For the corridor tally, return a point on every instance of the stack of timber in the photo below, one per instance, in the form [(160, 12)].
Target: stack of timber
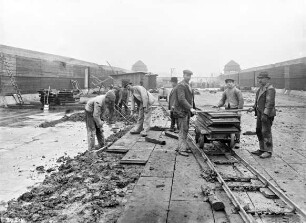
[(47, 97), (218, 122), (65, 96), (55, 97)]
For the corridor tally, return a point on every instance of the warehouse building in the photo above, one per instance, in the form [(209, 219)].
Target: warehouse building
[(289, 75), (35, 70)]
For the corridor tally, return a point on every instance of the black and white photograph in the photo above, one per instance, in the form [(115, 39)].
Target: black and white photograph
[(153, 111)]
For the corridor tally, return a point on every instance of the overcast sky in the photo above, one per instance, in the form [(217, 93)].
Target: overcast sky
[(184, 34)]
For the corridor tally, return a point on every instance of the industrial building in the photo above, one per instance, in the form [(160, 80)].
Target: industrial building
[(35, 70), (289, 75), (148, 80)]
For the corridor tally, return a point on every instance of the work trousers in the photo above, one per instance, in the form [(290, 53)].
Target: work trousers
[(264, 133), (144, 120), (173, 121), (124, 104), (183, 124), (92, 131)]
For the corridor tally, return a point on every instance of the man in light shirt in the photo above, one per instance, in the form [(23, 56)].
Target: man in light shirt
[(94, 109)]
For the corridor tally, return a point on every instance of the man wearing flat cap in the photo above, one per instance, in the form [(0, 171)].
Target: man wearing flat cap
[(171, 100), (144, 101), (184, 107), (265, 111), (232, 100), (94, 110)]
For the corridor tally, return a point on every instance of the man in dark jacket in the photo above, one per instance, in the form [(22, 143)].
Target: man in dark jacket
[(265, 111), (183, 108), (171, 104)]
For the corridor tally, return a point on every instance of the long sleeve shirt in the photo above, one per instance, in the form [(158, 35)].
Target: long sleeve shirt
[(97, 106), (231, 98)]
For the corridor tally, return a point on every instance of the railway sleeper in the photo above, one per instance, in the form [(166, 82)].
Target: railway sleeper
[(268, 212), (238, 179)]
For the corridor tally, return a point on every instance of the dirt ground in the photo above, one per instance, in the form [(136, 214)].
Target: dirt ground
[(94, 188)]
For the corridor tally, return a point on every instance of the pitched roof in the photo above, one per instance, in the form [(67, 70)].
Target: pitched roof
[(232, 63), (139, 66)]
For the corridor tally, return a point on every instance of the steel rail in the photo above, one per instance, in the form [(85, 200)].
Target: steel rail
[(273, 188), (269, 185), (245, 216)]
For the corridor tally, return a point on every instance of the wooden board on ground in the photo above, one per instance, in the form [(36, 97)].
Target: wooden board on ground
[(149, 201), (160, 164), (139, 154), (187, 179), (123, 144), (190, 211), (263, 204), (117, 149)]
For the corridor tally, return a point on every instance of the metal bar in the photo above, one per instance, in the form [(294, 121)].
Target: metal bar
[(245, 216), (222, 110), (274, 189)]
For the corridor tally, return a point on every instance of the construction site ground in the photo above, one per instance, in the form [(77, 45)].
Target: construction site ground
[(53, 178)]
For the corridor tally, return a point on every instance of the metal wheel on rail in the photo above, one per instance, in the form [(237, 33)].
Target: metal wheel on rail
[(231, 143)]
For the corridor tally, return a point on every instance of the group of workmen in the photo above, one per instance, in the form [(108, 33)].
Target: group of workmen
[(182, 107)]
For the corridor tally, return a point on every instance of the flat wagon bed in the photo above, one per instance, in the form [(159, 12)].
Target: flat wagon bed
[(217, 126)]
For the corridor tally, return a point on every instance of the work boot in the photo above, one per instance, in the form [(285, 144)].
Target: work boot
[(265, 155), (257, 152), (143, 133)]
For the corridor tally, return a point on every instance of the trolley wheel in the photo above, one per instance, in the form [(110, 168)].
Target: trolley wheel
[(231, 143), (201, 141), (197, 135)]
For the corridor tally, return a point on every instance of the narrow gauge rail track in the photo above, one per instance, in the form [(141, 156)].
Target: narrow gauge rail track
[(253, 196)]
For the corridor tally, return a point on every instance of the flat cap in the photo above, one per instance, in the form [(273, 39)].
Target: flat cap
[(263, 74), (127, 83), (110, 95), (174, 79), (187, 72), (229, 79)]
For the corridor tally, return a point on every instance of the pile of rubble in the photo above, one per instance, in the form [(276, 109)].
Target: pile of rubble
[(87, 188)]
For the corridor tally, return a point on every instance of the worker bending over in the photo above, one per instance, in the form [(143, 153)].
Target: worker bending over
[(144, 101), (95, 109)]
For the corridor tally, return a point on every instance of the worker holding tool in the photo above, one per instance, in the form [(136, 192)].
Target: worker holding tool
[(171, 105), (94, 109), (265, 111), (123, 101), (144, 101), (184, 108), (232, 100)]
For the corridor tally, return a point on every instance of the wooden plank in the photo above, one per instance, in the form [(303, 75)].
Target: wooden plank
[(171, 135), (117, 149), (139, 154), (246, 203), (123, 144), (187, 179), (149, 201), (190, 211), (160, 164), (263, 204), (229, 208)]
